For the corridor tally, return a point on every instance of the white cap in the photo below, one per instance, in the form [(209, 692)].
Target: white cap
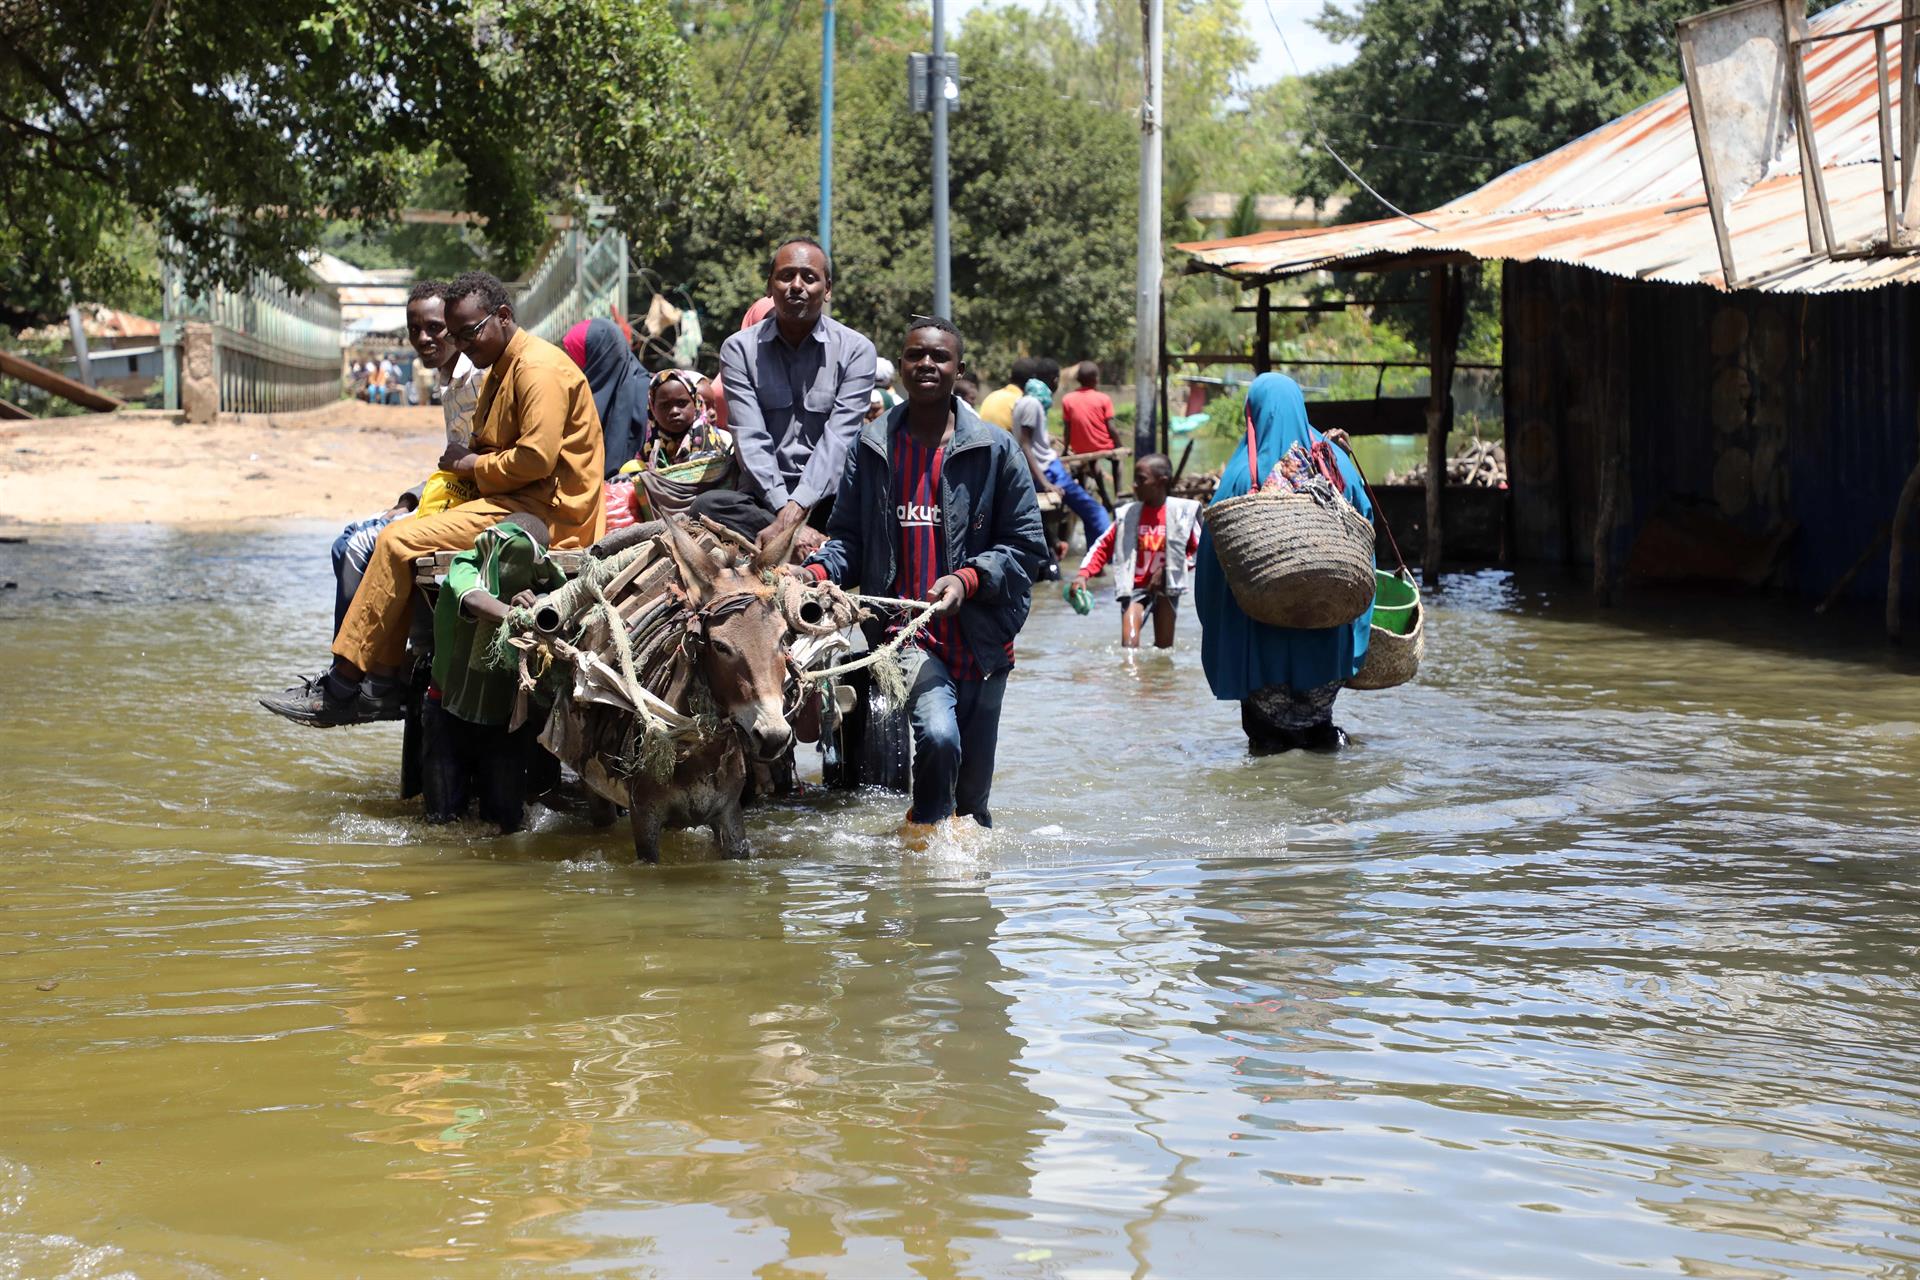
[(882, 372)]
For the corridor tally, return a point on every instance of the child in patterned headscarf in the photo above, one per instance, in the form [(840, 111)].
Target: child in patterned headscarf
[(685, 454)]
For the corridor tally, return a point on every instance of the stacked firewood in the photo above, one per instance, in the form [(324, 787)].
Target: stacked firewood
[(1199, 487), (1479, 463)]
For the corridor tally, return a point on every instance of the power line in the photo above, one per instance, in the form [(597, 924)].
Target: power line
[(746, 51), (1321, 136), (780, 42)]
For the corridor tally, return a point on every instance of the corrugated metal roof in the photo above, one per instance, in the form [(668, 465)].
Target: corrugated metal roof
[(1628, 199)]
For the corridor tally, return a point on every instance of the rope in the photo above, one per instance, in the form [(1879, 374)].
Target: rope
[(885, 660), (655, 750), (1381, 516), (567, 600)]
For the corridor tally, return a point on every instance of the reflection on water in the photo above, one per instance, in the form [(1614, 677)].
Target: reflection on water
[(1593, 955)]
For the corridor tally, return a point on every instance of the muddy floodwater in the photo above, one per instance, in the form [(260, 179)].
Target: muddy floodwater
[(1594, 955)]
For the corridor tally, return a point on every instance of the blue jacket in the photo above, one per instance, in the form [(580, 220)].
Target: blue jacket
[(990, 516)]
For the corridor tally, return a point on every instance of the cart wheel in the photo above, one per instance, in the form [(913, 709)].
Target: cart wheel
[(601, 812)]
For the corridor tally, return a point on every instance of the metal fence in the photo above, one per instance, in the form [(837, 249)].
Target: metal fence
[(583, 275), (274, 349)]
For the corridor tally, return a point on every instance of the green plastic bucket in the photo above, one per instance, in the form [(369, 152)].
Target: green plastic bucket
[(1395, 601)]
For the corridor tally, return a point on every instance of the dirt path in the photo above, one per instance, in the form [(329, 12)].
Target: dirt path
[(343, 460)]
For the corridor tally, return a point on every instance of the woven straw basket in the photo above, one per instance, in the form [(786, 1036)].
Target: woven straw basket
[(1291, 561), (1392, 658)]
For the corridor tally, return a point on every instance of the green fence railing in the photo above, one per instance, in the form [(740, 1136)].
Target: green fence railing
[(274, 349), (582, 275)]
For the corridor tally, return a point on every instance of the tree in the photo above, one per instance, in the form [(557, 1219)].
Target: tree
[(1443, 95), (236, 130), (1043, 188)]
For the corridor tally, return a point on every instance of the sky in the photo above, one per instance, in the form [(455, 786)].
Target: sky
[(1312, 50)]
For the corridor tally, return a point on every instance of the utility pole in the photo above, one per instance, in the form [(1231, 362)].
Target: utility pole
[(942, 265), (1146, 302), (826, 132)]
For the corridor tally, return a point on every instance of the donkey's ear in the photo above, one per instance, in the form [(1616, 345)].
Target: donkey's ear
[(775, 553), (695, 565)]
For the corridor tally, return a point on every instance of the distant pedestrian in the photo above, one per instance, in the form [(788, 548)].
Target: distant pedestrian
[(1088, 413), (997, 408), (1049, 473)]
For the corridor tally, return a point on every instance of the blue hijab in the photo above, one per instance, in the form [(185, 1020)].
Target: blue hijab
[(1241, 655), (619, 383)]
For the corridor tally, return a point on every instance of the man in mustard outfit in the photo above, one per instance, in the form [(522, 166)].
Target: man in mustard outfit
[(537, 448)]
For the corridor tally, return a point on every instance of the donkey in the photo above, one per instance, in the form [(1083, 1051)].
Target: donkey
[(737, 636)]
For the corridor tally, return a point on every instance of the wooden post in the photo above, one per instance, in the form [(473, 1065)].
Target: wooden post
[(1613, 443), (1897, 550), (1263, 333), (1444, 334)]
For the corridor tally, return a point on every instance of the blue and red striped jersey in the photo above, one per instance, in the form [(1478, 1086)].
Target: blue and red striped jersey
[(923, 546)]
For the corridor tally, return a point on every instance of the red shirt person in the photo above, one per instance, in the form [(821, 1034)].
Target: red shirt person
[(1088, 413)]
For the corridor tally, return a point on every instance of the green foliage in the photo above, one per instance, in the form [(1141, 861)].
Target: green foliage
[(238, 130), (1227, 415), (432, 250), (1444, 94), (1042, 193)]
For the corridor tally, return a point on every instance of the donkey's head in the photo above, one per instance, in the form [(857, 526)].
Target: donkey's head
[(742, 637)]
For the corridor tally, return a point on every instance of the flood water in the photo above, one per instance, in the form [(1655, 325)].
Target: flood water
[(1594, 955)]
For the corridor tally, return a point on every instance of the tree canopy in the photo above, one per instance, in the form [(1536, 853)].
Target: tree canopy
[(1042, 184), (237, 131), (1442, 95)]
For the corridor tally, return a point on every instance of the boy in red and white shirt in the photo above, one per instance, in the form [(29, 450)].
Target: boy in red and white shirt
[(1165, 536)]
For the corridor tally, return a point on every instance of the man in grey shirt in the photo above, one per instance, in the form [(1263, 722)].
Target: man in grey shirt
[(798, 386)]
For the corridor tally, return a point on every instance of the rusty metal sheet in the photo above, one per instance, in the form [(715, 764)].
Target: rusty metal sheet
[(1627, 199)]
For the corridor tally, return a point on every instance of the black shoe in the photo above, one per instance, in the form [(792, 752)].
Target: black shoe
[(388, 703), (1327, 737), (316, 703), (307, 686)]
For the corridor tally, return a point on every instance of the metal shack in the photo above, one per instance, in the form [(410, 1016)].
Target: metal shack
[(1660, 422)]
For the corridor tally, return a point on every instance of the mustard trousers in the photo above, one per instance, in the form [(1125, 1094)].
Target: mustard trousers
[(373, 635)]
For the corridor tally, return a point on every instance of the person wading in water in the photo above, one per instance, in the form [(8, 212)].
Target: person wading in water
[(935, 505), (1284, 678)]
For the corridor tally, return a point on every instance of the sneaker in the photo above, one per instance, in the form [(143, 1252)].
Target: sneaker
[(389, 703), (306, 686), (315, 703)]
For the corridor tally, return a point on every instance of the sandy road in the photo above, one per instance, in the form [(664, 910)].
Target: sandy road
[(336, 462)]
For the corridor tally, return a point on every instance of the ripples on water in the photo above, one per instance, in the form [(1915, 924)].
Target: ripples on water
[(1595, 954)]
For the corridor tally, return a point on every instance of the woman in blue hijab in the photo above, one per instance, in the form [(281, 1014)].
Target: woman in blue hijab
[(619, 384), (1284, 679)]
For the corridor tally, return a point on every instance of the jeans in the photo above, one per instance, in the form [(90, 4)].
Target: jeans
[(956, 726), (351, 551), (1079, 501)]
